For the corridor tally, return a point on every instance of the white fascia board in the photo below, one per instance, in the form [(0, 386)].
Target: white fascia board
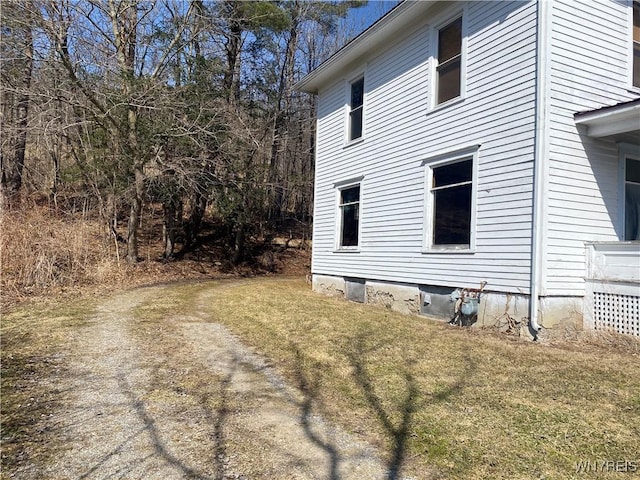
[(395, 23), (611, 121)]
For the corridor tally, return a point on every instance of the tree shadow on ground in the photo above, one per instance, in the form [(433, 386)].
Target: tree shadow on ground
[(216, 419), (396, 420), (310, 390)]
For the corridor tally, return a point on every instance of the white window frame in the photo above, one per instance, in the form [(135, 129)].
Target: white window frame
[(632, 87), (347, 134), (441, 22), (339, 187), (625, 151), (438, 160)]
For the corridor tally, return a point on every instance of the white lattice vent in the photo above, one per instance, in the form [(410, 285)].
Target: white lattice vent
[(616, 312)]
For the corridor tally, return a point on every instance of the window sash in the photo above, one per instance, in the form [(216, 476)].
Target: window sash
[(356, 108), (355, 123), (349, 208), (452, 216), (450, 40), (357, 93), (452, 204)]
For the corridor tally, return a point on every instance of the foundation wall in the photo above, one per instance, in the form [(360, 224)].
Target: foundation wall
[(502, 311)]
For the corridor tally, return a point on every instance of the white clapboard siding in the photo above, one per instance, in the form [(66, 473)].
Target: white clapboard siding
[(590, 61), (401, 131)]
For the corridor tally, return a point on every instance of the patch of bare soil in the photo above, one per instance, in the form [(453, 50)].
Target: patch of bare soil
[(174, 398)]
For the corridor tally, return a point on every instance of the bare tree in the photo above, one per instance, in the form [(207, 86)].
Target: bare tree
[(17, 68), (185, 104)]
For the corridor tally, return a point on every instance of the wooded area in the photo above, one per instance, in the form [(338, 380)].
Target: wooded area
[(110, 105)]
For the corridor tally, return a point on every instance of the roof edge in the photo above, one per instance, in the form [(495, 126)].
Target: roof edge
[(365, 42)]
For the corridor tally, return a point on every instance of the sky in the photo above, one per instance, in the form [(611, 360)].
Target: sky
[(364, 17)]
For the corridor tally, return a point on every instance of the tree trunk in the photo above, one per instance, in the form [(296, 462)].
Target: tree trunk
[(194, 224), (282, 118), (231, 80), (169, 228), (135, 214), (124, 20), (12, 162), (239, 245)]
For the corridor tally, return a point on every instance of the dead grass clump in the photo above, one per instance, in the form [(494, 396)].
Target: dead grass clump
[(610, 340), (42, 250)]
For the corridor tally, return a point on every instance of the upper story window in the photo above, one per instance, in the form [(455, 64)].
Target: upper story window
[(356, 106), (636, 43), (449, 62)]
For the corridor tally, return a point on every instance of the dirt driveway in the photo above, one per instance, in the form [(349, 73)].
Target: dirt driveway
[(172, 398)]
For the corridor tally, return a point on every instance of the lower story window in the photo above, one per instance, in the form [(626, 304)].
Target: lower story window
[(632, 199), (349, 211), (451, 191), (450, 201)]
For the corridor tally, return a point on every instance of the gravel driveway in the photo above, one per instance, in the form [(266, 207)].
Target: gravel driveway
[(183, 398)]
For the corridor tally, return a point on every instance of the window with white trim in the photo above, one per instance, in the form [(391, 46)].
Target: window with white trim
[(356, 108), (349, 216), (448, 81), (450, 200), (632, 199)]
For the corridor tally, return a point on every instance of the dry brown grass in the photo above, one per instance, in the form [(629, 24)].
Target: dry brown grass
[(47, 254), (44, 252), (440, 401), (446, 402)]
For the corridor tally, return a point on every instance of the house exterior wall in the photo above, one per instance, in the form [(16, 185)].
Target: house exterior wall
[(590, 66), (402, 131)]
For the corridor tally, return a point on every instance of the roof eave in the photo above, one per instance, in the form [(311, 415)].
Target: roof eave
[(604, 122), (394, 22)]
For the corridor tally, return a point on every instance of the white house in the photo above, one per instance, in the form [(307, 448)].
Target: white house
[(468, 142)]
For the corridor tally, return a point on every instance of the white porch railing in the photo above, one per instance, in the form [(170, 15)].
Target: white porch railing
[(612, 297)]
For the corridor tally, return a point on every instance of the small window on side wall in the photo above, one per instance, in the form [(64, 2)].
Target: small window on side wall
[(356, 106), (349, 216), (449, 62)]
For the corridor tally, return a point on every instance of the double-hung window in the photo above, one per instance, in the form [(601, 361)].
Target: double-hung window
[(450, 202), (356, 107), (449, 62), (349, 216)]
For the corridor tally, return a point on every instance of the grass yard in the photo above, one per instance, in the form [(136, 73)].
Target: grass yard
[(31, 361), (438, 401), (442, 401)]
